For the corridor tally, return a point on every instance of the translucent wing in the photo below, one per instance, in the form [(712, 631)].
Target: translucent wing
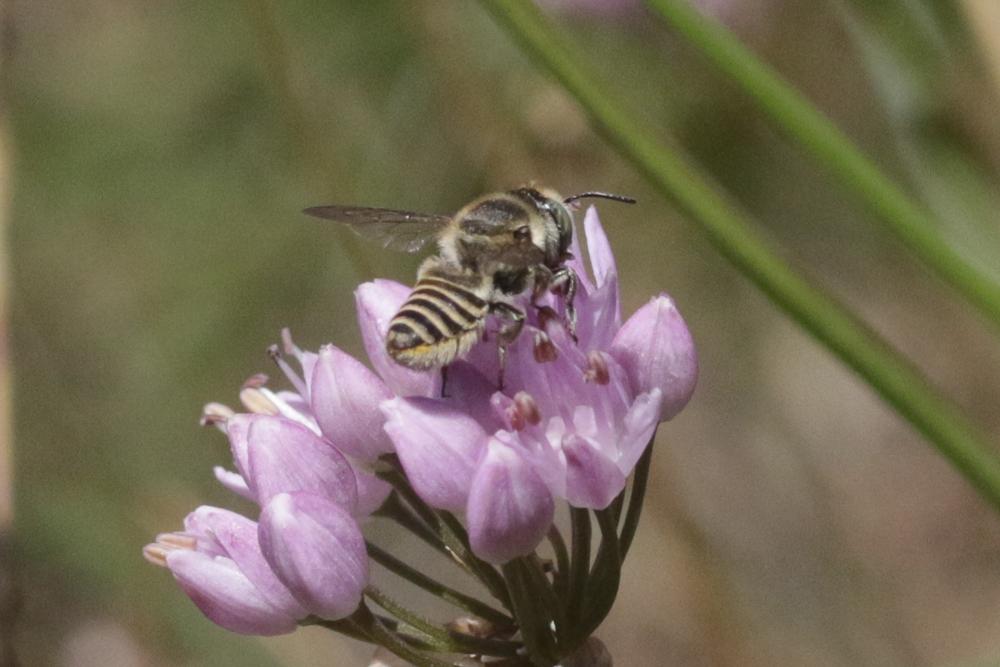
[(395, 230)]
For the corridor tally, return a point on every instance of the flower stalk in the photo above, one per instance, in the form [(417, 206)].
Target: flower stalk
[(476, 475)]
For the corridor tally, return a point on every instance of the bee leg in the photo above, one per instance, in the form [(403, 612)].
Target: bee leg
[(444, 381), (508, 333), (565, 280)]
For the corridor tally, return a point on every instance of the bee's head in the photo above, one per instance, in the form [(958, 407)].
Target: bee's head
[(557, 221)]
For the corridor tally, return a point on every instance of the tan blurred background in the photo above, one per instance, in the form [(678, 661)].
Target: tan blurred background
[(158, 155)]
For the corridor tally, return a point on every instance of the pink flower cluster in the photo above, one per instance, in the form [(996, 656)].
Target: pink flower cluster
[(571, 423)]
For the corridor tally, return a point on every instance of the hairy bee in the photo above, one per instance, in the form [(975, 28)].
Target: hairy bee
[(495, 248)]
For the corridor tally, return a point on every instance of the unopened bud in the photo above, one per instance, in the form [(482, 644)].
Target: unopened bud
[(544, 349), (527, 408), (597, 368)]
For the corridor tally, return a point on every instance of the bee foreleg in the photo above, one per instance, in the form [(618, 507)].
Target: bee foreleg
[(444, 380), (509, 331), (565, 279)]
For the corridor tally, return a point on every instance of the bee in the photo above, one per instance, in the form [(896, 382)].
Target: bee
[(495, 249)]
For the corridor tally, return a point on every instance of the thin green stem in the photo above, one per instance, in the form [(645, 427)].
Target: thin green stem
[(395, 510), (602, 589), (560, 579), (531, 616), (639, 479), (365, 622), (674, 176), (453, 536), (460, 600), (794, 114), (579, 565), (438, 636)]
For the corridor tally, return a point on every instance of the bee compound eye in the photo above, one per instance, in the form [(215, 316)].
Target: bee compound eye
[(522, 234)]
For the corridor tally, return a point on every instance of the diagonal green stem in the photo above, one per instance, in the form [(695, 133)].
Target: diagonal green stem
[(560, 579), (367, 624), (886, 370), (438, 636), (639, 479), (460, 600), (793, 113)]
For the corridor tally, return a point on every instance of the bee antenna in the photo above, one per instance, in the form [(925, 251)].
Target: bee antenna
[(601, 195)]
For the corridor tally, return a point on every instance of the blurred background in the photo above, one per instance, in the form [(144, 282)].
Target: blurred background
[(154, 158)]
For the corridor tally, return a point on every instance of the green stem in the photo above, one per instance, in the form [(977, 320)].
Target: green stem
[(531, 616), (394, 509), (887, 371), (561, 576), (365, 622), (442, 639), (637, 495), (602, 589), (452, 534), (460, 600), (793, 113), (579, 565)]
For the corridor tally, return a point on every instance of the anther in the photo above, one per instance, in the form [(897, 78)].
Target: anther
[(215, 414), (527, 408), (274, 352), (545, 315), (544, 349), (597, 368), (255, 381), (255, 401), (155, 554), (473, 627)]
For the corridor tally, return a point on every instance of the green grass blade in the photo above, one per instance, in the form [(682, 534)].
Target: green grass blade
[(794, 114)]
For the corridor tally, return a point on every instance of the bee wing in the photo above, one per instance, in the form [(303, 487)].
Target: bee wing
[(396, 230)]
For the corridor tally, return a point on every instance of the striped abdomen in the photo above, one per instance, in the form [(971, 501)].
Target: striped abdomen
[(437, 323)]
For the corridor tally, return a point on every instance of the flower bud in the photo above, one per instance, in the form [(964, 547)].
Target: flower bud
[(226, 596), (345, 396), (439, 447), (510, 507), (285, 456), (656, 350), (316, 549)]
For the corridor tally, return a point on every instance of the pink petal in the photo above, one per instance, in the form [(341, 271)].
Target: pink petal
[(234, 482), (372, 492), (640, 426), (439, 447), (226, 596), (602, 260), (237, 537), (510, 507), (345, 400), (657, 351), (286, 456), (317, 550), (377, 303), (592, 479)]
